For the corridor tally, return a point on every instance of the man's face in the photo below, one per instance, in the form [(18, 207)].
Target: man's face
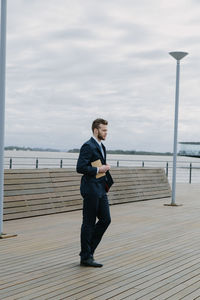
[(102, 132)]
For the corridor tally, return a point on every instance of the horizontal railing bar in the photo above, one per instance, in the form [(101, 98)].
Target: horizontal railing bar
[(110, 159), (31, 157)]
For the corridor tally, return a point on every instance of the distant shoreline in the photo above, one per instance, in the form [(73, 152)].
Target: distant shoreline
[(16, 148), (118, 151), (129, 152)]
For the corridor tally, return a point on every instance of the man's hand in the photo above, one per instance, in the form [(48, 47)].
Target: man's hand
[(104, 168)]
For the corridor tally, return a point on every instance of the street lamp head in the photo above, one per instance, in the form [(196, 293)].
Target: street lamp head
[(178, 55)]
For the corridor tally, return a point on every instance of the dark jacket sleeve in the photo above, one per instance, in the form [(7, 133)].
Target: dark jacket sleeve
[(84, 162)]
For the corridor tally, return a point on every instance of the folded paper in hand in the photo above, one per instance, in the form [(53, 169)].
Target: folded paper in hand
[(97, 163)]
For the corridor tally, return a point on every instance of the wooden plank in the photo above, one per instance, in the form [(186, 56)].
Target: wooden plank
[(10, 181), (68, 199), (28, 192), (26, 176), (29, 197), (30, 186), (34, 213)]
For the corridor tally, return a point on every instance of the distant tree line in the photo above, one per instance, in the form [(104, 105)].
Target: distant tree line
[(127, 152), (17, 148), (76, 150)]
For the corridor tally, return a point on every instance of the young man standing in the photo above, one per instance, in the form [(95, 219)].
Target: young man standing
[(95, 182)]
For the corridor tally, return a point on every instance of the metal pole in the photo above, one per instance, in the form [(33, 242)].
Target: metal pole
[(175, 133), (178, 55), (2, 105), (190, 178), (167, 167), (10, 163)]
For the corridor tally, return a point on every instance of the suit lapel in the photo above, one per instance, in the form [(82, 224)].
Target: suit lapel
[(98, 148), (96, 145), (104, 150)]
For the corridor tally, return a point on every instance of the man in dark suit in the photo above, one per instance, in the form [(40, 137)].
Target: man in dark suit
[(95, 182)]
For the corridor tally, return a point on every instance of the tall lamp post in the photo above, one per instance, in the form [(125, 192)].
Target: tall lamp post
[(2, 105), (178, 56)]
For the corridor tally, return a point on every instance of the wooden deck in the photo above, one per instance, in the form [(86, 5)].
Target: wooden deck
[(150, 251)]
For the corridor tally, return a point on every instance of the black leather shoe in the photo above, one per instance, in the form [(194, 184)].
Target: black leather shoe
[(90, 263)]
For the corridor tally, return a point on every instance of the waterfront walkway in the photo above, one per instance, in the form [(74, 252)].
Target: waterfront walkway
[(150, 251)]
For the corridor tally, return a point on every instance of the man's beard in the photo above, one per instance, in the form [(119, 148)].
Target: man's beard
[(100, 137)]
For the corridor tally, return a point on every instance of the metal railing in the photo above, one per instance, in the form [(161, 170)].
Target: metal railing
[(186, 171), (38, 162)]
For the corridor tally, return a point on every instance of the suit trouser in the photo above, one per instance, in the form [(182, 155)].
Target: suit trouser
[(92, 232)]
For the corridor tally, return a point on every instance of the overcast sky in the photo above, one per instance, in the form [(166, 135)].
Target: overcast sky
[(69, 62)]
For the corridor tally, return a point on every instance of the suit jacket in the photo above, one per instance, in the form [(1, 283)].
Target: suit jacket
[(90, 185)]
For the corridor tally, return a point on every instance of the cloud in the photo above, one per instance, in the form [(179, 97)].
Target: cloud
[(69, 62)]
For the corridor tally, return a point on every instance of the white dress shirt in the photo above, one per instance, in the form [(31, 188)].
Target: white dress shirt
[(100, 145)]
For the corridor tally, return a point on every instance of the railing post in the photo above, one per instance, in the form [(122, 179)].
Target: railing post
[(167, 167), (61, 163), (36, 163), (190, 178), (118, 163), (10, 163)]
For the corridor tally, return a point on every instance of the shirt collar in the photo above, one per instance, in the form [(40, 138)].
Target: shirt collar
[(97, 141)]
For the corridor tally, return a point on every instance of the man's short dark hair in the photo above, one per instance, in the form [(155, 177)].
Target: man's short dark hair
[(96, 123)]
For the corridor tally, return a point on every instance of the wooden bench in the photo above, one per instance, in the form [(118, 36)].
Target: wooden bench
[(29, 193)]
